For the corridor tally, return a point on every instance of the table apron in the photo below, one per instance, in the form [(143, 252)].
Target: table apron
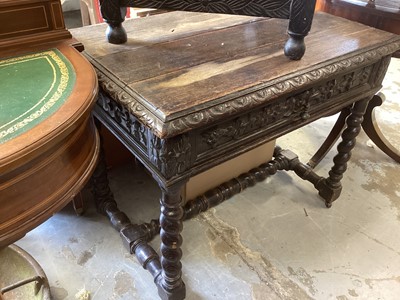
[(185, 155)]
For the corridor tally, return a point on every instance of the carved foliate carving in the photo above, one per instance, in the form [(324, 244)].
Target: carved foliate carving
[(263, 95), (173, 157), (362, 76), (124, 118), (170, 156), (254, 99), (126, 100), (296, 107)]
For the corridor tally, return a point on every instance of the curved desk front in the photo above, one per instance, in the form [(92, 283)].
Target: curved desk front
[(48, 142)]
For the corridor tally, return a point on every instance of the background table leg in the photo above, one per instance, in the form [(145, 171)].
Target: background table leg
[(371, 128), (333, 136), (79, 204)]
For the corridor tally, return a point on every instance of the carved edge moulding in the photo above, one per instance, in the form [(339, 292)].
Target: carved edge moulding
[(191, 153), (230, 105)]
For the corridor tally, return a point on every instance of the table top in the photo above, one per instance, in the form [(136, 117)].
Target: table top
[(36, 85), (180, 71)]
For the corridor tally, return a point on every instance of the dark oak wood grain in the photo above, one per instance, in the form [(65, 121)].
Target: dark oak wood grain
[(299, 12), (171, 73)]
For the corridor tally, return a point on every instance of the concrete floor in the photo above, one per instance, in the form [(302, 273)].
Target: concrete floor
[(273, 241)]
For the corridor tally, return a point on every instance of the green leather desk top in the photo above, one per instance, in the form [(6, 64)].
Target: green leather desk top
[(32, 87)]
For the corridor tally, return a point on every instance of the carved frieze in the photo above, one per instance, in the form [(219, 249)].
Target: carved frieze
[(170, 156), (296, 107), (263, 95), (231, 107), (127, 101), (173, 156), (127, 122)]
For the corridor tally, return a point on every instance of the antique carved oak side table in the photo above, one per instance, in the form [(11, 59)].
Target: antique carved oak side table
[(189, 91)]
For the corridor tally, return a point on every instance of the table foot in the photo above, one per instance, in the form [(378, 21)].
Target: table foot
[(371, 128), (331, 187), (329, 192), (167, 270), (178, 293)]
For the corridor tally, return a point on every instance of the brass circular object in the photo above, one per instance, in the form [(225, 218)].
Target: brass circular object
[(20, 269)]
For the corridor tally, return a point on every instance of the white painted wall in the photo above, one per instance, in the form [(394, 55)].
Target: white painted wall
[(70, 5)]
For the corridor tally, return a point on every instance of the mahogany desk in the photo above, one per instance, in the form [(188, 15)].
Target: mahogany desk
[(189, 91), (48, 143)]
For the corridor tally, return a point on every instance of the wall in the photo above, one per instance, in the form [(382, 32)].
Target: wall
[(68, 5)]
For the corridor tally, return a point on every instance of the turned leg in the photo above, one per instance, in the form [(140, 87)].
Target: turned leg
[(301, 15), (371, 128), (101, 191), (134, 236), (330, 188), (171, 285)]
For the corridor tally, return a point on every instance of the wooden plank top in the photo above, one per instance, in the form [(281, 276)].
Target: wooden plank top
[(179, 71)]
